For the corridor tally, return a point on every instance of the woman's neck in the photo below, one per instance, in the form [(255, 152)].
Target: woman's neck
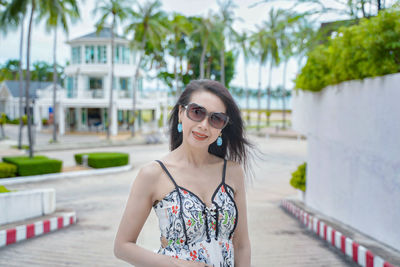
[(193, 156)]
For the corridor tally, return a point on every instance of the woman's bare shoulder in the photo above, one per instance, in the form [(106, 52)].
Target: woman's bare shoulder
[(149, 173)]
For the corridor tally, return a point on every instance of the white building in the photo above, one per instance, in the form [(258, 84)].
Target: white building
[(83, 104)]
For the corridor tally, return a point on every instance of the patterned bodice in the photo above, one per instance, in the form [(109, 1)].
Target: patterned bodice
[(192, 231)]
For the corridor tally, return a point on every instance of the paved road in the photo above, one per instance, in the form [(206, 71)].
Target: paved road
[(277, 238)]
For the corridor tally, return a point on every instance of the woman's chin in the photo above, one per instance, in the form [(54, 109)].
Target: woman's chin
[(198, 143)]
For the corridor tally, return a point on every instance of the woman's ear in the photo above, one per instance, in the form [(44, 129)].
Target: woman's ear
[(180, 113)]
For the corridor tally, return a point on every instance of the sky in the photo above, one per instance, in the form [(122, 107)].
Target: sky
[(42, 41)]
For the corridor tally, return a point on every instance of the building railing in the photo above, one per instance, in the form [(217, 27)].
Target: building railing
[(93, 93)]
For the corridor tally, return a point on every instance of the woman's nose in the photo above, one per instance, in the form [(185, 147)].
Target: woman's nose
[(204, 123)]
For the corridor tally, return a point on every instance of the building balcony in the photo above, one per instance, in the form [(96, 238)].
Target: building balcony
[(93, 93)]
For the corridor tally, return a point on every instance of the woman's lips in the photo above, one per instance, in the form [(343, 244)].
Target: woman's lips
[(199, 136)]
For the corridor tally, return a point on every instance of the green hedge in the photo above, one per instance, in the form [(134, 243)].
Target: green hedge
[(7, 170), (78, 158), (369, 49), (104, 159), (299, 177), (35, 166)]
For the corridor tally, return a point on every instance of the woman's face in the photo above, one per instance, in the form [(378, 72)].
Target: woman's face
[(201, 134)]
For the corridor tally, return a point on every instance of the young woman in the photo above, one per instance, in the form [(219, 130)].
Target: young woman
[(197, 190)]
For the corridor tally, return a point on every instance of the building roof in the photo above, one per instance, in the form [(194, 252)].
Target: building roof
[(13, 87), (105, 33)]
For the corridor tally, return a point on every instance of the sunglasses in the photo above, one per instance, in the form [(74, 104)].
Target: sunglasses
[(198, 113)]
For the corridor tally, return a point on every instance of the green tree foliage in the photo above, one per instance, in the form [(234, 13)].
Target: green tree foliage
[(42, 71), (369, 49)]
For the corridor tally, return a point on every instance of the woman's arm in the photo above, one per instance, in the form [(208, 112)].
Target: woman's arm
[(137, 210), (241, 241)]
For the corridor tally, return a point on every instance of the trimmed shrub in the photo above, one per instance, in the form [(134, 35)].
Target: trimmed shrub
[(78, 158), (299, 177), (35, 166), (7, 170), (104, 159)]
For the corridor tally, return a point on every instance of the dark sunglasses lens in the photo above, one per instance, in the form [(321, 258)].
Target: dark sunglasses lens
[(218, 120), (196, 113)]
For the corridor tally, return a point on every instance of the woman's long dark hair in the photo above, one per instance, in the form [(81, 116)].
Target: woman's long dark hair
[(235, 145)]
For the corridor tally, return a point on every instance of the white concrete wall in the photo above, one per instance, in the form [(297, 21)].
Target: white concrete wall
[(353, 171), (22, 205)]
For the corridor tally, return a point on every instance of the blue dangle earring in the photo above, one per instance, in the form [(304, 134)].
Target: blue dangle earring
[(219, 140), (179, 126)]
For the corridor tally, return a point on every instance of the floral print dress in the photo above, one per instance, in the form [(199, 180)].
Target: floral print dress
[(192, 231)]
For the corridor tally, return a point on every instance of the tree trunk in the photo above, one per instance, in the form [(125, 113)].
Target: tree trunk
[(209, 63), (259, 98), (222, 63), (269, 93), (21, 79), (135, 82), (110, 104), (28, 78), (202, 58), (177, 91), (54, 85), (284, 95), (180, 73), (3, 134), (363, 8), (247, 92), (379, 5)]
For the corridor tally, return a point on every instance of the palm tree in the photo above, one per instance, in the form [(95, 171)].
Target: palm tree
[(11, 17), (274, 26), (149, 26), (14, 9), (305, 39), (257, 41), (57, 12), (286, 42), (204, 28), (226, 19), (28, 79), (180, 26), (242, 41), (117, 9)]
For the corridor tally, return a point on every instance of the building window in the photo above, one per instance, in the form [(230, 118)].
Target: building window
[(121, 54), (76, 55), (70, 86), (95, 83), (101, 54), (125, 55), (117, 54), (123, 84), (89, 54)]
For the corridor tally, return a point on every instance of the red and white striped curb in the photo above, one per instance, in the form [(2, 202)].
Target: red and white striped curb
[(358, 253), (27, 231)]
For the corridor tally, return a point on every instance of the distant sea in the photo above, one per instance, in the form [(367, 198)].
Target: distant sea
[(275, 103), (241, 101)]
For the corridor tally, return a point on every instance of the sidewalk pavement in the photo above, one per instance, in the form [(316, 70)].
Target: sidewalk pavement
[(277, 132)]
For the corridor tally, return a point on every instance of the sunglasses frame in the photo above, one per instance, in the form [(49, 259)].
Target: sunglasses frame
[(208, 115)]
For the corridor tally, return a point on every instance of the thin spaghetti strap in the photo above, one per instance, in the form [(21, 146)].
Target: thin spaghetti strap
[(167, 172), (223, 172), (180, 200)]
